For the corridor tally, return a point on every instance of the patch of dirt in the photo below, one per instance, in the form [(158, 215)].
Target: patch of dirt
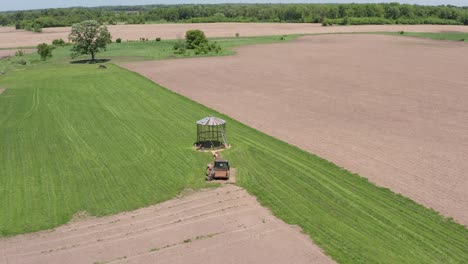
[(2, 90), (393, 109), (9, 37), (224, 225), (81, 216)]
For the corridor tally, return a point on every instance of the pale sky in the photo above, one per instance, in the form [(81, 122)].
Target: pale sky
[(6, 5)]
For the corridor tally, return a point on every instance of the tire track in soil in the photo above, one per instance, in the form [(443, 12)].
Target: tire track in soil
[(224, 224)]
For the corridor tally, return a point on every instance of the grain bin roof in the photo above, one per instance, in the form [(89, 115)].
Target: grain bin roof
[(210, 121)]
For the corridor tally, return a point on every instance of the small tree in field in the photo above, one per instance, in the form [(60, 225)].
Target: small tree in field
[(195, 38), (88, 38), (45, 51)]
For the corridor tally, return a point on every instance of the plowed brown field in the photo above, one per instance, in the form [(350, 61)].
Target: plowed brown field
[(224, 225), (393, 109), (9, 37)]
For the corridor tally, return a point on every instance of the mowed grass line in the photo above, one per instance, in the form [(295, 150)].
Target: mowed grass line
[(453, 36), (77, 138)]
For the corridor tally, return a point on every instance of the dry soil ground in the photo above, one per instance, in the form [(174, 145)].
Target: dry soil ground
[(393, 109), (9, 37), (224, 225)]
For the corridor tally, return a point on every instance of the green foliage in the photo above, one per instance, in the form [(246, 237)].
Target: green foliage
[(428, 20), (30, 26), (299, 13), (19, 53), (136, 20), (45, 51), (358, 21), (119, 40), (89, 37), (179, 47), (37, 28), (58, 42), (22, 62), (101, 152), (158, 39), (195, 39)]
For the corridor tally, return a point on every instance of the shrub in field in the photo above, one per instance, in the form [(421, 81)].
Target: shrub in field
[(158, 39), (201, 49), (216, 48), (45, 51), (195, 38), (205, 48), (179, 47), (89, 37), (237, 35), (22, 62), (119, 40), (58, 42), (402, 32), (19, 53)]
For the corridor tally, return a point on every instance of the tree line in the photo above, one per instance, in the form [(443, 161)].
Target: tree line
[(327, 14)]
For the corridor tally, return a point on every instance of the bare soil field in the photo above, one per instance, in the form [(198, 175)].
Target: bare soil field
[(224, 225), (392, 109), (9, 37), (2, 90)]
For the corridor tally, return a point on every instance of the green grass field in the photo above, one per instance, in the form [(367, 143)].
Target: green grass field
[(76, 138), (138, 50)]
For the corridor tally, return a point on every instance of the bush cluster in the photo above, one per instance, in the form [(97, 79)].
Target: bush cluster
[(31, 26), (179, 47), (19, 53), (58, 42), (45, 51), (196, 40)]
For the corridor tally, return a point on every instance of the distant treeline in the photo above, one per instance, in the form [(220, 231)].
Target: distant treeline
[(327, 14)]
